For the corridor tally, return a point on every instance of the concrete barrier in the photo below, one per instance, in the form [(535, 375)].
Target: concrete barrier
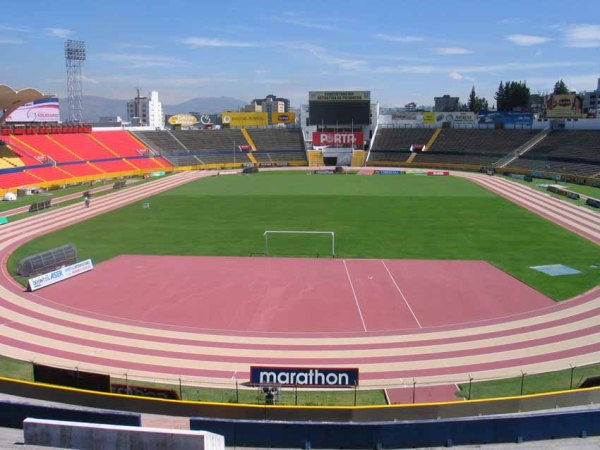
[(54, 433)]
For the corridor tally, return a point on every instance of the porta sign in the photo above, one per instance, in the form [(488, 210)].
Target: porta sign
[(341, 139)]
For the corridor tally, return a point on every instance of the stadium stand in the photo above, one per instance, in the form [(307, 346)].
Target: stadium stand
[(393, 144), (80, 169), (114, 165), (48, 146), (266, 139), (51, 173), (17, 179), (574, 152), (211, 140), (83, 145), (121, 143)]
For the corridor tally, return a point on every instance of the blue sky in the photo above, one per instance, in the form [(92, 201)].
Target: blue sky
[(399, 50)]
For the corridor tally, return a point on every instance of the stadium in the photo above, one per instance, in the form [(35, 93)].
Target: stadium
[(347, 277)]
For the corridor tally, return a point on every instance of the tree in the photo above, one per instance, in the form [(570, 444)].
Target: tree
[(560, 88), (512, 95), (476, 103)]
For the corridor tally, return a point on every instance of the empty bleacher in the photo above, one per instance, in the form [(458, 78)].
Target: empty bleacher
[(393, 144), (51, 173), (80, 169), (115, 165), (564, 151), (83, 146), (120, 142), (211, 140), (266, 139), (46, 145), (17, 179)]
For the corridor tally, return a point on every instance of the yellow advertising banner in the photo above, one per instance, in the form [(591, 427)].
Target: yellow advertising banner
[(429, 118), (284, 117), (245, 119), (185, 120), (564, 106)]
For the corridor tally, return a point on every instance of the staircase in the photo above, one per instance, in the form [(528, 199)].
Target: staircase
[(521, 150)]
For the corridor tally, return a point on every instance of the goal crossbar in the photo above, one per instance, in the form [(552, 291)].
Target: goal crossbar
[(268, 232)]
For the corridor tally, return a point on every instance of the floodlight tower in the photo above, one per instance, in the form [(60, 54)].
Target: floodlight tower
[(74, 57)]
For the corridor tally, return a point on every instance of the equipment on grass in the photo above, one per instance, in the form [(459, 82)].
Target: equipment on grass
[(269, 232)]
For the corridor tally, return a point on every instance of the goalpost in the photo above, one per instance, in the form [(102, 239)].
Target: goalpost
[(269, 232)]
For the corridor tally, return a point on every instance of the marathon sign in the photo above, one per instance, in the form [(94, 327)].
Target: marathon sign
[(300, 376), (60, 274), (340, 139)]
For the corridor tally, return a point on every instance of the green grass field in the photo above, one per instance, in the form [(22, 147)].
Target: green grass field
[(406, 217)]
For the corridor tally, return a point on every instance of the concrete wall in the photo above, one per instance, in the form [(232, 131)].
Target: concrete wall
[(54, 433)]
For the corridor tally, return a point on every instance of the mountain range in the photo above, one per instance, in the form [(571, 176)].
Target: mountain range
[(95, 107)]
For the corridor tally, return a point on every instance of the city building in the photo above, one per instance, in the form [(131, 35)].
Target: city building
[(145, 111), (269, 104), (591, 100), (446, 104)]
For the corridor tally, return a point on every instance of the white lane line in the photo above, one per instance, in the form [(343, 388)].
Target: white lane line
[(401, 293), (355, 297)]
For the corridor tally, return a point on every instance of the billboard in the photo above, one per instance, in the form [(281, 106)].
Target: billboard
[(300, 376), (339, 96), (185, 120), (43, 110), (245, 119), (284, 117), (564, 106), (505, 117), (459, 118), (340, 139)]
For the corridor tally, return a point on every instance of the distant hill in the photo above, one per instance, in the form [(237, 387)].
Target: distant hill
[(95, 107)]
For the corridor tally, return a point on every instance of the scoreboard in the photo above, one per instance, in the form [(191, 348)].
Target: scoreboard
[(339, 107)]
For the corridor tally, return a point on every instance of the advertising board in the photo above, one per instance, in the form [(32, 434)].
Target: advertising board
[(245, 119), (564, 106), (302, 376), (43, 110), (505, 117), (458, 118), (284, 117), (185, 120), (341, 139), (60, 274)]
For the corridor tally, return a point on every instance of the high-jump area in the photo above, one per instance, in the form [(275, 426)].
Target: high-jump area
[(294, 296)]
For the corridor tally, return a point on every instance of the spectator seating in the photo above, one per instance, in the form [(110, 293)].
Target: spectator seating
[(80, 169), (211, 140), (266, 139), (83, 146), (51, 173), (491, 141), (393, 144), (114, 165), (47, 145), (161, 142), (120, 142), (17, 179), (146, 163), (564, 151)]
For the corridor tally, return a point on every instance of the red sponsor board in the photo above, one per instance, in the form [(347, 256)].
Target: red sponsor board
[(340, 139), (438, 173)]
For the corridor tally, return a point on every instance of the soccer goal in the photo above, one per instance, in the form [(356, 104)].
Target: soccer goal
[(307, 235)]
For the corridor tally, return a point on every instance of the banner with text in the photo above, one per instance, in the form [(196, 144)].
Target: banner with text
[(339, 96), (245, 119), (340, 139), (300, 376), (43, 110), (59, 275), (284, 117), (505, 118)]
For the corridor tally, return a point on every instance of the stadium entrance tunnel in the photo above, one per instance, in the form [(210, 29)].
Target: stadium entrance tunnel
[(330, 160)]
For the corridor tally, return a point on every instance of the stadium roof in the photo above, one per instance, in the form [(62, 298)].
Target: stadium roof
[(11, 99)]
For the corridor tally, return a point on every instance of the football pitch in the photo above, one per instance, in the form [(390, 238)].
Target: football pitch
[(406, 217)]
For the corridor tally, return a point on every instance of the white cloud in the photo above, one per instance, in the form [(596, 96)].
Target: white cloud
[(137, 46), (59, 32), (448, 51), (455, 75), (14, 29), (293, 19), (89, 80), (324, 56), (11, 41), (526, 39), (583, 36), (216, 42), (137, 61), (492, 68), (393, 38)]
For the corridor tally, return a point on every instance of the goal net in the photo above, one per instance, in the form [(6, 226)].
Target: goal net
[(299, 243)]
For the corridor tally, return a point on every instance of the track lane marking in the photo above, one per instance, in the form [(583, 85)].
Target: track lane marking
[(362, 319), (401, 293)]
